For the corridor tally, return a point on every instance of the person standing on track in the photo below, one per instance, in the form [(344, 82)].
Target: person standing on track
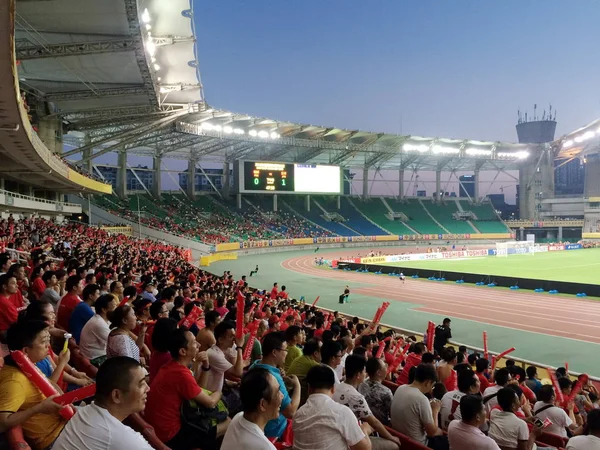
[(402, 277)]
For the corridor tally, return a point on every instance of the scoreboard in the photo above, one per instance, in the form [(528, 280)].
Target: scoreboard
[(279, 177), (267, 176)]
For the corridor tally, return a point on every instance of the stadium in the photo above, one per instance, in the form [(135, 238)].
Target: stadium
[(86, 96)]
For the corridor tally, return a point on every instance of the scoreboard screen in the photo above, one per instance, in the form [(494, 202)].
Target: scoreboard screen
[(278, 177), (268, 176)]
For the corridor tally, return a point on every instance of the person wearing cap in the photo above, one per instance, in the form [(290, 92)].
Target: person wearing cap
[(148, 293)]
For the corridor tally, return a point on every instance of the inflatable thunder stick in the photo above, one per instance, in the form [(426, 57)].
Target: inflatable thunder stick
[(191, 318), (39, 380)]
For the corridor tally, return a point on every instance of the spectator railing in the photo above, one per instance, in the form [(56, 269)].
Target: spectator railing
[(523, 362)]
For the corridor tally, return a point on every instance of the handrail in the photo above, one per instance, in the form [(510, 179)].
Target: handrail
[(36, 199), (405, 331)]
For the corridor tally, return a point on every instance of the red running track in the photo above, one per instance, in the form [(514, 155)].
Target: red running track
[(541, 313)]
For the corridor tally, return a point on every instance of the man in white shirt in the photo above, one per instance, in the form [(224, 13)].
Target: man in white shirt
[(331, 355), (591, 441), (221, 359), (121, 390), (261, 400), (464, 434), (412, 413), (501, 377), (468, 383), (94, 333), (347, 394), (323, 424), (545, 409), (506, 428)]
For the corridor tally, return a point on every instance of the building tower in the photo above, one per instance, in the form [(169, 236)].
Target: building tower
[(536, 175)]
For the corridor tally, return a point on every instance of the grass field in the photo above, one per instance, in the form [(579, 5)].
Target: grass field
[(579, 266)]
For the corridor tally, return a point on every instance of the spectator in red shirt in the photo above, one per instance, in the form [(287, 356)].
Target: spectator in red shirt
[(68, 303), (283, 295), (274, 292), (175, 384), (11, 302), (413, 359), (18, 271), (481, 366), (37, 285)]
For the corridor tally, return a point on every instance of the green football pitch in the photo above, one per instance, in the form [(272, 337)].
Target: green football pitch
[(579, 266)]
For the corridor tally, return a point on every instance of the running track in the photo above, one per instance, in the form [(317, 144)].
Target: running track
[(540, 313)]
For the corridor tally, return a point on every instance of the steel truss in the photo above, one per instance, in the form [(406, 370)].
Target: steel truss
[(25, 50)]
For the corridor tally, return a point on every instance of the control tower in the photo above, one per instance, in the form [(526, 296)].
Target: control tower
[(536, 176)]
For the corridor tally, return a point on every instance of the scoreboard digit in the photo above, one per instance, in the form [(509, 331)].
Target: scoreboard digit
[(267, 176)]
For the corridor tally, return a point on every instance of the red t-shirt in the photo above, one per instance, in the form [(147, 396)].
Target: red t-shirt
[(484, 382), (67, 305), (451, 381), (319, 333), (411, 360), (38, 287), (9, 309), (274, 292), (172, 385)]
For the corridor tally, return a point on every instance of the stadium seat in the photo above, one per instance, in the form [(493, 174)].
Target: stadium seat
[(16, 441), (407, 443), (553, 440), (136, 422), (80, 362)]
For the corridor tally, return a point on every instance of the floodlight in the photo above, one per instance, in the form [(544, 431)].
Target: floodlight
[(415, 148), (156, 67), (253, 133), (438, 149), (263, 134), (217, 128), (151, 47), (274, 135), (567, 144), (148, 27), (238, 131), (228, 129), (207, 126), (146, 16), (477, 152)]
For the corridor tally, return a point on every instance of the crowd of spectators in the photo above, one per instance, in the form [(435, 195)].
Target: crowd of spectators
[(213, 225), (165, 345)]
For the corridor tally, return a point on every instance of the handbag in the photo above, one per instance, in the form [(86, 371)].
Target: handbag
[(201, 418)]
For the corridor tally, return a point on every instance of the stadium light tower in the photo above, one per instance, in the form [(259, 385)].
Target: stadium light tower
[(536, 175)]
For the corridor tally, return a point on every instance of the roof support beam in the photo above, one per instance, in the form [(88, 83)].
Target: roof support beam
[(26, 51), (87, 93)]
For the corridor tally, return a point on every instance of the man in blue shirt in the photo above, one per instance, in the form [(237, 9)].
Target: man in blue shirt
[(83, 311), (148, 293), (274, 347)]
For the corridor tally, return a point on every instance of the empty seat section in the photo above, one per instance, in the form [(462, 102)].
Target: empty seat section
[(316, 215), (355, 220), (487, 220), (419, 219), (443, 213), (375, 209)]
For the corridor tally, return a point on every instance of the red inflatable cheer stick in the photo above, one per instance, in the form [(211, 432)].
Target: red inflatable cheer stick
[(39, 380), (191, 318)]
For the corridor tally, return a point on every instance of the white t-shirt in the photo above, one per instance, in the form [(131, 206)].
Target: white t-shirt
[(94, 428), (507, 429), (242, 433), (219, 364), (94, 336), (410, 413), (451, 407), (462, 436), (347, 395), (584, 443), (339, 370), (559, 418), (492, 401), (324, 424)]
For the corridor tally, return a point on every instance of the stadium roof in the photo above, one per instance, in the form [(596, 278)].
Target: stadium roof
[(111, 60), (124, 75)]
